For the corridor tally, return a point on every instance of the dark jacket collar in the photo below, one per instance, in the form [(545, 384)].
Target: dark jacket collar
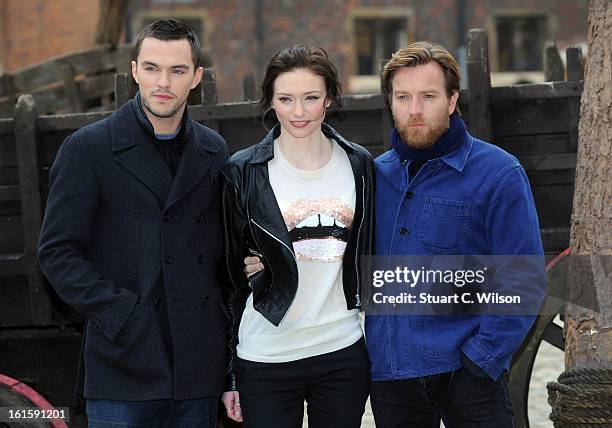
[(264, 151), (131, 122)]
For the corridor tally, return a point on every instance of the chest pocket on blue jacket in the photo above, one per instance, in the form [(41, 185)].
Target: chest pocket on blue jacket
[(443, 225)]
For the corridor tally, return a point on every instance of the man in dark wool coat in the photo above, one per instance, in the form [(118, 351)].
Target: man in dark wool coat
[(131, 238)]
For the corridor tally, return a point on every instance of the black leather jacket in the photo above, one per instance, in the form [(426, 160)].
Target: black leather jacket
[(253, 222)]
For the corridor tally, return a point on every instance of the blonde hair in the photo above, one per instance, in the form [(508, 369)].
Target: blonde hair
[(421, 53)]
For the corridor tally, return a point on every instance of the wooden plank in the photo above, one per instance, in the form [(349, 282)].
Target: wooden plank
[(553, 65), (209, 87), (551, 177), (502, 94), (36, 76), (14, 264), (248, 88), (69, 121), (122, 89), (71, 91), (6, 125), (96, 86), (9, 176), (555, 240), (12, 234), (479, 85), (27, 161), (524, 145), (531, 117), (554, 205), (9, 193), (51, 100), (575, 68), (549, 161)]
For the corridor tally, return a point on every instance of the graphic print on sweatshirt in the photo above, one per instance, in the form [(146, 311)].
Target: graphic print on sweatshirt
[(319, 228)]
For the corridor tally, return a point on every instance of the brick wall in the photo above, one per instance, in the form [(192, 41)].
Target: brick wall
[(35, 30)]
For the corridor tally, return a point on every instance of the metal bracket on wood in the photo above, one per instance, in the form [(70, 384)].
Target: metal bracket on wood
[(479, 85), (31, 209)]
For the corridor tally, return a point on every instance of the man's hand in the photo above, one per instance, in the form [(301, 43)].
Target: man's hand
[(231, 401), (252, 265)]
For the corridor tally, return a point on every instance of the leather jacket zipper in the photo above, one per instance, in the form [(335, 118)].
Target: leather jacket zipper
[(275, 238), (357, 294)]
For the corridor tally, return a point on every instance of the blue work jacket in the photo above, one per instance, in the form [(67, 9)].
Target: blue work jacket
[(475, 200)]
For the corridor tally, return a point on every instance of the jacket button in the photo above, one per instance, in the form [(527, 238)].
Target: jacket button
[(201, 259), (168, 259), (200, 218), (403, 231), (158, 302), (205, 299), (166, 218), (409, 195)]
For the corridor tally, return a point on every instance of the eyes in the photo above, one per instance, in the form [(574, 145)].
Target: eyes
[(424, 97), (153, 69), (310, 99)]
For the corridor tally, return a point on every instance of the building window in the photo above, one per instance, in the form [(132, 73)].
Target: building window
[(375, 40), (520, 42)]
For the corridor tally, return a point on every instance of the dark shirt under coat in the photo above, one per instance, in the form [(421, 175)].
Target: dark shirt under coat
[(136, 253)]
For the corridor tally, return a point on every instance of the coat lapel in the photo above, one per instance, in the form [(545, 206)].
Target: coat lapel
[(136, 154), (195, 164)]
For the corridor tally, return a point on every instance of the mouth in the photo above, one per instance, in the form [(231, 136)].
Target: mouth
[(163, 97), (299, 123)]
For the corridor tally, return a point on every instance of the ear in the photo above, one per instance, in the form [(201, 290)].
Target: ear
[(197, 77), (327, 102), (134, 71), (453, 102)]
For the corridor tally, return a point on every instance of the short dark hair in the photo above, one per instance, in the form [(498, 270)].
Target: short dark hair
[(170, 29), (421, 53), (300, 56)]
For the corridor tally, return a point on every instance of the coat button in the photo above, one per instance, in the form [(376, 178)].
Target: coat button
[(201, 259), (158, 302), (166, 218), (200, 218), (403, 231), (169, 259), (205, 299), (409, 195)]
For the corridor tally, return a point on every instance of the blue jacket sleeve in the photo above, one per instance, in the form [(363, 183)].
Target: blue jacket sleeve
[(512, 222)]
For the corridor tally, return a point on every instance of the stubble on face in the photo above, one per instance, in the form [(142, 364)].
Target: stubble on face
[(422, 137), (163, 114)]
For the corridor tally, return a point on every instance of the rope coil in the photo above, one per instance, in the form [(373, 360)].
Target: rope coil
[(581, 398)]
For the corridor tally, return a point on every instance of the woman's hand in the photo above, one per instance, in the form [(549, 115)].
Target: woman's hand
[(231, 401), (252, 265)]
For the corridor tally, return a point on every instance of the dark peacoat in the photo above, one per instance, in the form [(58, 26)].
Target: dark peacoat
[(136, 253)]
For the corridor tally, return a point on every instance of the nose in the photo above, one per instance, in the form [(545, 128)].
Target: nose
[(298, 110), (164, 80), (415, 108)]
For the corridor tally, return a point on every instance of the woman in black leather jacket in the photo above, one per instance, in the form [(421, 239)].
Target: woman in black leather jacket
[(302, 201)]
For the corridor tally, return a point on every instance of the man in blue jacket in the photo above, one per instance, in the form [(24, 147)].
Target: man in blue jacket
[(440, 191), (131, 238)]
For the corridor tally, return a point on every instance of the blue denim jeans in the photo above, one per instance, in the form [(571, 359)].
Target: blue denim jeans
[(156, 413), (461, 398)]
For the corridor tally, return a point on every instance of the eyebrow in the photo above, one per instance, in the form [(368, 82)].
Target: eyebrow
[(305, 93), (424, 91), (181, 66)]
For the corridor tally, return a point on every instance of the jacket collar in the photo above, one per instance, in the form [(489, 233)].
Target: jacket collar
[(134, 151), (455, 159), (264, 151), (131, 121)]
